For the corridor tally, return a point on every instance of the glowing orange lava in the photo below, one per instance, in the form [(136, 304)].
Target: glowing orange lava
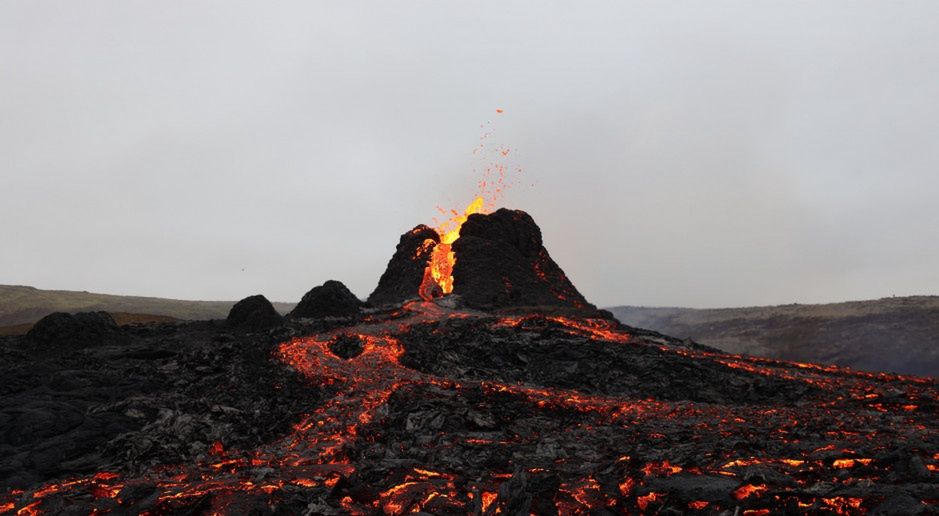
[(748, 490), (438, 276)]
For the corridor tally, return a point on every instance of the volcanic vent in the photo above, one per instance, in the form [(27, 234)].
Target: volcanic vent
[(491, 261)]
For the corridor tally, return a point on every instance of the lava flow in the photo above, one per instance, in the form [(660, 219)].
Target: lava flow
[(421, 416)]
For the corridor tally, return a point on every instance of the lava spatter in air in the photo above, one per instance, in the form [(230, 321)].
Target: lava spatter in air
[(438, 275)]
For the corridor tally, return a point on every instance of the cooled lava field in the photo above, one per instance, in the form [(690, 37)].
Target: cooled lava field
[(476, 380)]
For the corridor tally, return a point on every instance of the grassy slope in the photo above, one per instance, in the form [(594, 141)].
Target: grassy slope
[(19, 305), (893, 334)]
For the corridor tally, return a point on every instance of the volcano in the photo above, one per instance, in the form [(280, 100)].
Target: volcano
[(478, 381), (490, 262)]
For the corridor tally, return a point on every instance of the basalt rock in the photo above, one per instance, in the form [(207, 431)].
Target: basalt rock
[(254, 313), (501, 262), (331, 299), (163, 394), (403, 276), (74, 330), (347, 346)]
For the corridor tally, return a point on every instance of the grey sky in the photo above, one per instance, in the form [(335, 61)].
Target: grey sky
[(674, 153)]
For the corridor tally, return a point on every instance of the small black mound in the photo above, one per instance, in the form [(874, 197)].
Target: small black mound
[(402, 278), (347, 346), (74, 330), (331, 299), (254, 313)]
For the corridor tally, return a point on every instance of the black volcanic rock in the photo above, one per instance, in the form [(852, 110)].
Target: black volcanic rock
[(163, 393), (403, 276), (501, 262), (74, 330), (331, 299), (347, 346), (254, 313)]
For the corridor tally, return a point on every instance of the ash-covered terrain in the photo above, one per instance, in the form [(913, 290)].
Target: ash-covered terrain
[(496, 389)]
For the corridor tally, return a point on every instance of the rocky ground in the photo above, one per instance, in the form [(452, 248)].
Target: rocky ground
[(143, 396), (430, 408)]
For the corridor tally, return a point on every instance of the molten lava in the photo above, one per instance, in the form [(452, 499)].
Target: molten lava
[(438, 276)]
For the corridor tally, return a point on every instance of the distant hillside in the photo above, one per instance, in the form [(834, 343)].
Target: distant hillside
[(894, 334), (22, 305)]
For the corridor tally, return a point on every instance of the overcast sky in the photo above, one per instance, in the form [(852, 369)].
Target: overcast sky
[(674, 153)]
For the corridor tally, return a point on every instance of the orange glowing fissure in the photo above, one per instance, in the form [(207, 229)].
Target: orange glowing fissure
[(438, 276)]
